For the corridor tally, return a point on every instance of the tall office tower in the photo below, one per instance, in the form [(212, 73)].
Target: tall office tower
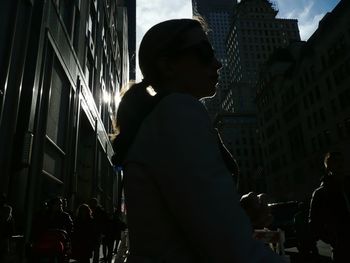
[(218, 15), (131, 15), (122, 30), (131, 7), (254, 35)]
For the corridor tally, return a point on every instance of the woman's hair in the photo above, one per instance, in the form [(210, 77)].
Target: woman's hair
[(162, 40)]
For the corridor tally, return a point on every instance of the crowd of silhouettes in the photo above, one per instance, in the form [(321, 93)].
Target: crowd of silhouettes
[(64, 235)]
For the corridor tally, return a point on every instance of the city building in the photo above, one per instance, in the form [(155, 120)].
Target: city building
[(238, 131), (130, 6), (303, 107), (218, 16), (254, 34), (62, 65)]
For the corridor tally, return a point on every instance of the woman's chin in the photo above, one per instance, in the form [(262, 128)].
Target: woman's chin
[(209, 94)]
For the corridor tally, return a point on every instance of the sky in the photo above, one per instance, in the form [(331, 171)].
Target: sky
[(308, 13)]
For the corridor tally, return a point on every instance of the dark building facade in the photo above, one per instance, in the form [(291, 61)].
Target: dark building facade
[(304, 111), (238, 131), (131, 14), (255, 33), (61, 72)]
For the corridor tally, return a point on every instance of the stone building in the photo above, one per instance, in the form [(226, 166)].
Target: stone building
[(303, 107)]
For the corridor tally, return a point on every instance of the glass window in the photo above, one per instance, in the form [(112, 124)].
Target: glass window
[(58, 106)]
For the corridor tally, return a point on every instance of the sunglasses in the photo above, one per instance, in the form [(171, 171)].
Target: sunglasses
[(202, 51)]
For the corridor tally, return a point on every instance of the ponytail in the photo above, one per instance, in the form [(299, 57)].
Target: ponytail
[(135, 105)]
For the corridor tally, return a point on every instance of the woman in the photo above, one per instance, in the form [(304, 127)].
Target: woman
[(180, 197)]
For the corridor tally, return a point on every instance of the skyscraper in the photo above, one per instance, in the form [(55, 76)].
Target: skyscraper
[(131, 7), (131, 18), (254, 35), (218, 15)]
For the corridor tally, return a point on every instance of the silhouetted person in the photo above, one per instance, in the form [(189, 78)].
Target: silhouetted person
[(56, 218), (118, 226), (84, 235), (52, 229), (306, 243), (330, 207), (66, 209), (182, 203), (114, 227), (100, 223)]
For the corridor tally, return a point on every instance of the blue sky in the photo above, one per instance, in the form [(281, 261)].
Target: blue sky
[(308, 13)]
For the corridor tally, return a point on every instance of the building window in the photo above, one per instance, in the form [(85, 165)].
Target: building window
[(66, 11), (57, 123)]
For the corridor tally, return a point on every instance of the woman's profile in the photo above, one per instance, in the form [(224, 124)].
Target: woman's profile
[(180, 195)]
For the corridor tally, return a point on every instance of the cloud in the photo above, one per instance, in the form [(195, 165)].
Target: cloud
[(308, 27), (308, 13)]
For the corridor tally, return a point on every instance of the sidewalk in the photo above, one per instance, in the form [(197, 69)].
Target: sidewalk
[(121, 253)]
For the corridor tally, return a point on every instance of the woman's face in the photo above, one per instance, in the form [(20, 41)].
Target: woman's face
[(194, 68)]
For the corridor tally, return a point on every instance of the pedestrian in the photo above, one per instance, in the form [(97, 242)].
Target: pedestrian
[(100, 221), (306, 244), (65, 207), (56, 218), (118, 226), (330, 207), (108, 239), (84, 235), (181, 201), (52, 229)]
